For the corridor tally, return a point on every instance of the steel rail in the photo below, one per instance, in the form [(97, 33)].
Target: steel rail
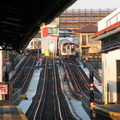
[(83, 76), (42, 92), (23, 89), (73, 79), (56, 91), (19, 73)]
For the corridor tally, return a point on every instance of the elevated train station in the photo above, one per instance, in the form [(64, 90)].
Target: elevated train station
[(19, 22)]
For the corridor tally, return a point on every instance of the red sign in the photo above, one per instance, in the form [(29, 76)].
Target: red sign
[(45, 32), (3, 89)]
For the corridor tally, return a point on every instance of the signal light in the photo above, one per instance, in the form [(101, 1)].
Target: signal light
[(91, 104), (64, 51), (91, 96), (91, 85)]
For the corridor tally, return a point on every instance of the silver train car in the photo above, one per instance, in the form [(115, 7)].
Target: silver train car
[(67, 48), (35, 44)]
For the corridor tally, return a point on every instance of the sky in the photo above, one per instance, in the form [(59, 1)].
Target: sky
[(95, 4)]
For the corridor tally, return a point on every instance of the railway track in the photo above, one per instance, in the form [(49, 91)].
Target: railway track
[(23, 74), (79, 79), (49, 102)]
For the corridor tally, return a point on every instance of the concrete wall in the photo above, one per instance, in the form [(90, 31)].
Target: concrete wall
[(109, 75)]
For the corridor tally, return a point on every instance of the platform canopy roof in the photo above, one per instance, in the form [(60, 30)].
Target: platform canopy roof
[(20, 20)]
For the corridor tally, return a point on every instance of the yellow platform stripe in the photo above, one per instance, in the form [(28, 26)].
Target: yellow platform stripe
[(21, 113), (23, 117), (98, 108), (112, 115)]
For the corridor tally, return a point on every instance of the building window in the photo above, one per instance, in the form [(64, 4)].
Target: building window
[(84, 40), (114, 40), (89, 38), (31, 43), (52, 31)]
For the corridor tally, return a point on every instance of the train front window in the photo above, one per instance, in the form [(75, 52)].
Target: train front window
[(72, 48), (64, 48), (68, 47)]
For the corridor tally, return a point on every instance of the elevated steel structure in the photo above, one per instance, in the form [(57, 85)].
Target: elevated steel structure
[(79, 18), (20, 20)]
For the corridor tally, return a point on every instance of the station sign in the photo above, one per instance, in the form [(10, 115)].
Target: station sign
[(4, 89)]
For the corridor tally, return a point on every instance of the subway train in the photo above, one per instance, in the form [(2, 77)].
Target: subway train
[(67, 49), (35, 44)]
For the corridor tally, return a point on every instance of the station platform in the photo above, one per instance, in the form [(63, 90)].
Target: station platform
[(107, 112), (11, 113)]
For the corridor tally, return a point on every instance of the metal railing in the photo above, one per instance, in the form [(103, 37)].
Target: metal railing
[(86, 102), (95, 73), (16, 96)]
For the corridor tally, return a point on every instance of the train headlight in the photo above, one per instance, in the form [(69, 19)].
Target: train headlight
[(64, 51)]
